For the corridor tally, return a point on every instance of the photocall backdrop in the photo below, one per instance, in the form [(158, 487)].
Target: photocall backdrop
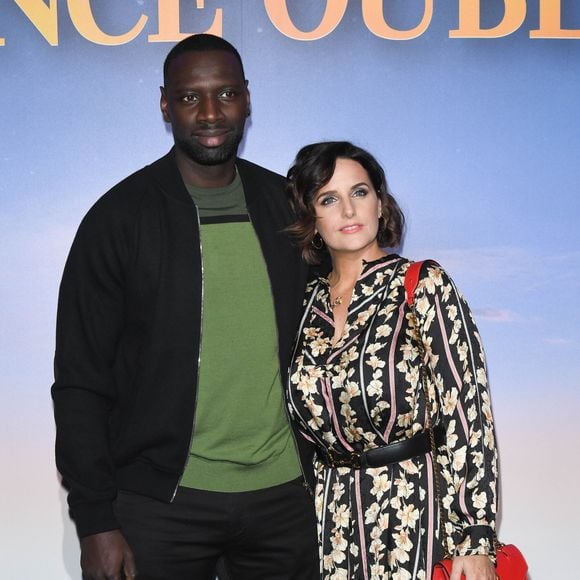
[(471, 106)]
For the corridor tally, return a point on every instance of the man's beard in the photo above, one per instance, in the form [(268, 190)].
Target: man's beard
[(211, 155)]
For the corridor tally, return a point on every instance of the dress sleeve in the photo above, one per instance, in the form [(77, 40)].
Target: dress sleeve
[(461, 404), (89, 324)]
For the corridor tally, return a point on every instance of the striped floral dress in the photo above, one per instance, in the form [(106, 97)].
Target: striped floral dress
[(366, 392)]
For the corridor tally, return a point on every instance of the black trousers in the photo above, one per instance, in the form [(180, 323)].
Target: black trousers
[(269, 534)]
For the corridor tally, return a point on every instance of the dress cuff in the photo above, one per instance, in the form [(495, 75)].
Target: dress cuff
[(476, 540)]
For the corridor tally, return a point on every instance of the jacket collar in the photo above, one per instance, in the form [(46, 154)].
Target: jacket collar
[(165, 173)]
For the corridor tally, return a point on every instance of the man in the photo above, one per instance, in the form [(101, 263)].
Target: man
[(177, 308)]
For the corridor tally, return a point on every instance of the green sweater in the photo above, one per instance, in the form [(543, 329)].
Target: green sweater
[(241, 439)]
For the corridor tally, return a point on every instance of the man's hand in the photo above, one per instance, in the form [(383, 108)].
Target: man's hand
[(107, 556), (474, 568)]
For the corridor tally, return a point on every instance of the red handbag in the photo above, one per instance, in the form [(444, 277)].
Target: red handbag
[(510, 562), (511, 565)]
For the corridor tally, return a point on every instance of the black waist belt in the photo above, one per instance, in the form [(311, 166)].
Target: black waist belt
[(395, 452)]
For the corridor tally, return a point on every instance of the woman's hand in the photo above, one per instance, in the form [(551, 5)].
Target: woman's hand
[(474, 568)]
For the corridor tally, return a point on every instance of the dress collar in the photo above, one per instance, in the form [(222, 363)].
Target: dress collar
[(366, 267)]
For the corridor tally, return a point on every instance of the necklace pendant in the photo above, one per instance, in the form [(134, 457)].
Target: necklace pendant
[(334, 303)]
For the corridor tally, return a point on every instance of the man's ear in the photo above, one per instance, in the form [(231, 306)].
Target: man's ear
[(248, 101), (163, 105)]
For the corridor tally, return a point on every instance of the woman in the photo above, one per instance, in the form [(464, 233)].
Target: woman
[(356, 387)]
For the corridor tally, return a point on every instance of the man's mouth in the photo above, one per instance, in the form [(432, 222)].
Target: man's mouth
[(211, 137)]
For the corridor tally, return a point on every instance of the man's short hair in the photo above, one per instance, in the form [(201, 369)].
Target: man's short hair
[(199, 43)]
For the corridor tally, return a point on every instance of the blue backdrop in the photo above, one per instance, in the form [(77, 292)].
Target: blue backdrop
[(479, 137)]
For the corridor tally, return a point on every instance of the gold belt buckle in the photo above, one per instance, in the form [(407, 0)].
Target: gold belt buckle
[(352, 460)]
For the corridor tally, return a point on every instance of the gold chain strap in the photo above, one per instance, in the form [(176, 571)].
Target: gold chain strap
[(429, 426), (436, 472)]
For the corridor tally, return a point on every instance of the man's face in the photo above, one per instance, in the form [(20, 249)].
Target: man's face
[(206, 100)]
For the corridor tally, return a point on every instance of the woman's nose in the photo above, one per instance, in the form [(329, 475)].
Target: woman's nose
[(348, 208)]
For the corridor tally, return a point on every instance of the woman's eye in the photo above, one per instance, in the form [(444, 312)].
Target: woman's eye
[(327, 200), (359, 192)]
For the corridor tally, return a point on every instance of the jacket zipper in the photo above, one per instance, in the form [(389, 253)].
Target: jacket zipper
[(304, 480), (286, 413), (198, 351), (288, 420)]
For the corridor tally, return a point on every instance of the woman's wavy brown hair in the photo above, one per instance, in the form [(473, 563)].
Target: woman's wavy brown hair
[(313, 168)]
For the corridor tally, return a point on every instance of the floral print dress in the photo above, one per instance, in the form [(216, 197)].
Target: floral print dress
[(366, 392)]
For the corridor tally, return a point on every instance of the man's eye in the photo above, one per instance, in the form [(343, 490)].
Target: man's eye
[(189, 98), (228, 94)]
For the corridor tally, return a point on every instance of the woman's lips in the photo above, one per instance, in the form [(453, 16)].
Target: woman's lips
[(351, 229)]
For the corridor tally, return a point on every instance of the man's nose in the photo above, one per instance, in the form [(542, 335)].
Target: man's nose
[(209, 110)]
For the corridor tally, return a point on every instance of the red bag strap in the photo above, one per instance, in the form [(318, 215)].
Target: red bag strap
[(411, 281)]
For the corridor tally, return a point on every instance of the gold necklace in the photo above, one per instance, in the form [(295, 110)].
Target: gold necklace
[(338, 300)]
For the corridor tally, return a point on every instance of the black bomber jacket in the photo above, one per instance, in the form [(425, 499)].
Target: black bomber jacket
[(128, 334)]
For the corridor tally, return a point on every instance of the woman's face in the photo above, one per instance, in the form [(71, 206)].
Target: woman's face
[(347, 211)]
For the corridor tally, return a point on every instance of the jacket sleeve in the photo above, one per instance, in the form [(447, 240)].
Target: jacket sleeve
[(89, 326), (459, 389)]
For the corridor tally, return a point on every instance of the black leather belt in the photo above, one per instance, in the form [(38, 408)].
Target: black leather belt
[(395, 452)]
